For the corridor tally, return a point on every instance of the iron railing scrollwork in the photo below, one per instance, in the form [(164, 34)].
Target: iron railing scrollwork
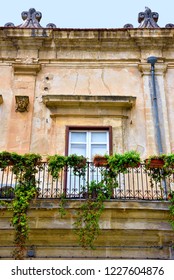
[(135, 184)]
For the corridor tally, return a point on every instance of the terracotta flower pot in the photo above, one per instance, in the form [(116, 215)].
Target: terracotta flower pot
[(100, 161), (155, 163)]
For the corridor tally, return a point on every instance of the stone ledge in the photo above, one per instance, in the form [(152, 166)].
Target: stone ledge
[(112, 204), (86, 100)]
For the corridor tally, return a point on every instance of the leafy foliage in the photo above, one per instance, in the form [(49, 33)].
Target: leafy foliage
[(87, 217), (171, 209), (157, 173), (24, 167), (57, 162)]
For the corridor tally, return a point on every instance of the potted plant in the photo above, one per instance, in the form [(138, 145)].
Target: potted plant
[(100, 160), (55, 164), (159, 167), (155, 161), (119, 163), (78, 163)]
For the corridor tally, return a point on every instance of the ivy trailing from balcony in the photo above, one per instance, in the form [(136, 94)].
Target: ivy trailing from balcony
[(25, 168), (87, 217), (171, 208)]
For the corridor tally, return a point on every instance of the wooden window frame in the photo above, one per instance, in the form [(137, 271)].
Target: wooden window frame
[(90, 128)]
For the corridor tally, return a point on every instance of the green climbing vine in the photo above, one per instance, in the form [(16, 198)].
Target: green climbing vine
[(171, 209), (88, 215), (25, 168), (87, 226)]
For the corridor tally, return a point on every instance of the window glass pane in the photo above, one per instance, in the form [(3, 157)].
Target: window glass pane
[(100, 149), (98, 137), (78, 137), (78, 149)]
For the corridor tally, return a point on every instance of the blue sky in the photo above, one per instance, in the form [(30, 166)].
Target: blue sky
[(87, 14)]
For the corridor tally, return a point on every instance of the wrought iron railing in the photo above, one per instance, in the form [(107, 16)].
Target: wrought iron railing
[(135, 184)]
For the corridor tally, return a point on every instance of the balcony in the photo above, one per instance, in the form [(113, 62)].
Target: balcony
[(136, 184)]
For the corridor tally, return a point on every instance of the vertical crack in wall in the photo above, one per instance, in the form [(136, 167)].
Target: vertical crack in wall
[(76, 81), (89, 90), (105, 85)]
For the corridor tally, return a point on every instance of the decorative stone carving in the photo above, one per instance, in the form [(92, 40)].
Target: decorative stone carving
[(1, 99), (22, 103), (50, 25), (169, 25), (147, 19), (128, 25), (31, 20), (9, 24)]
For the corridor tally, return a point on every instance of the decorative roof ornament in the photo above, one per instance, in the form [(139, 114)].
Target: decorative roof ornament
[(147, 19), (169, 25), (31, 20)]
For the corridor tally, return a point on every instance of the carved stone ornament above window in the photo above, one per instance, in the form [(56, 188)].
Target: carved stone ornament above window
[(22, 103), (31, 20)]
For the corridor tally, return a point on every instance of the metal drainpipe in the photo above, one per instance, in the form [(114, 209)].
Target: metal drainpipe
[(152, 60)]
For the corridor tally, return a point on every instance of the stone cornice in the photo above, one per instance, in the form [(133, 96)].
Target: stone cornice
[(83, 39), (26, 69)]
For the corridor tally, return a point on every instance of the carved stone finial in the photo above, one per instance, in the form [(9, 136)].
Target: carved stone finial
[(169, 25), (31, 20), (128, 25), (148, 19), (22, 103)]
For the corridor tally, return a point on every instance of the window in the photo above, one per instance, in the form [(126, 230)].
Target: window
[(88, 142)]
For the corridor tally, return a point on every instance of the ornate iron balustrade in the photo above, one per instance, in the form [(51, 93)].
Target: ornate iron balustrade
[(135, 184)]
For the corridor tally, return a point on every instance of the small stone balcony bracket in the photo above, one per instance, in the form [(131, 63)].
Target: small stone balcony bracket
[(22, 103)]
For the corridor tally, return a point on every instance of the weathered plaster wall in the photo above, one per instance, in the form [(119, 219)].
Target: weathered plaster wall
[(84, 62)]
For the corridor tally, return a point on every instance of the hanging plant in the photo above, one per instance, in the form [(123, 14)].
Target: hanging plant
[(55, 164), (77, 163), (25, 168), (87, 217), (171, 208), (159, 167)]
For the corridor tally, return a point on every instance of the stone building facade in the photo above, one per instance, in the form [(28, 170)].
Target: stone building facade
[(55, 82)]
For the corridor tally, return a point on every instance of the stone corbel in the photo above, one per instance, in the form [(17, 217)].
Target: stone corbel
[(1, 99), (22, 103), (160, 69), (26, 69)]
